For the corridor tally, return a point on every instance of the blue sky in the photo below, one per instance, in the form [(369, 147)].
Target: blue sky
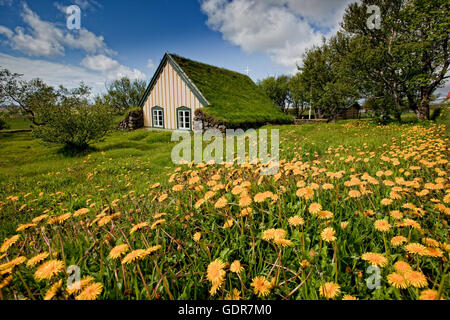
[(129, 38)]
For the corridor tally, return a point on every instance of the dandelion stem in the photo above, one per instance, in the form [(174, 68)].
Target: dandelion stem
[(25, 285), (143, 281)]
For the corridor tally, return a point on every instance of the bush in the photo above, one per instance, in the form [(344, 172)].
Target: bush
[(75, 126), (3, 124)]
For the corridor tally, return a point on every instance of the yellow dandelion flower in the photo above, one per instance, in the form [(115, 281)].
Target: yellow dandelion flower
[(228, 223), (315, 208), (177, 187), (305, 193), (268, 234), (396, 214), (330, 290), (222, 202), (260, 197), (81, 212), (37, 259), (327, 186), (234, 295), (398, 241), (344, 224), (386, 202), (159, 215), (79, 285), (245, 200), (349, 297), (40, 218), (138, 226), (215, 273), (382, 225), (163, 197), (7, 243), (402, 267), (153, 249), (325, 215), (236, 267), (328, 235), (283, 242), (6, 282), (279, 234), (48, 269), (118, 250), (91, 292), (354, 194), (157, 223), (416, 248), (23, 227), (397, 281), (428, 294), (52, 292), (135, 255), (13, 263), (199, 203), (430, 242), (261, 286), (375, 259), (416, 279), (246, 212), (434, 252), (304, 263), (296, 221), (447, 198), (197, 236)]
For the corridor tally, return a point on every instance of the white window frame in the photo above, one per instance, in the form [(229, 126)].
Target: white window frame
[(182, 116), (158, 117)]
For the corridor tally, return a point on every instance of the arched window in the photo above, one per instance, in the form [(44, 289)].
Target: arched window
[(158, 117), (183, 118)]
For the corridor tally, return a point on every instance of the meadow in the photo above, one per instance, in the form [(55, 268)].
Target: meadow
[(356, 211)]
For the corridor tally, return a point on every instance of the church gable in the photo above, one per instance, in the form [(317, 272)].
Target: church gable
[(167, 95)]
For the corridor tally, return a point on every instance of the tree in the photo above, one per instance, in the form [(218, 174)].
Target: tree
[(124, 93), (60, 116), (325, 72), (277, 89), (408, 55), (298, 93)]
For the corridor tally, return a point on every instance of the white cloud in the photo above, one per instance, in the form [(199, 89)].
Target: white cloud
[(150, 64), (87, 4), (110, 68), (70, 76), (45, 39), (283, 29)]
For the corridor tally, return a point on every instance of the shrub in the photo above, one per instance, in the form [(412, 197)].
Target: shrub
[(75, 126), (3, 124)]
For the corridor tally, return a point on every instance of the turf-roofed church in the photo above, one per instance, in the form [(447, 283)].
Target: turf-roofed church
[(189, 95)]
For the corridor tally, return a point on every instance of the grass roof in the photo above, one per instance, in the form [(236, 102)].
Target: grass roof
[(235, 100)]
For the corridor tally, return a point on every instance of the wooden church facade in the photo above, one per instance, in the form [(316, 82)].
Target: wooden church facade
[(171, 98)]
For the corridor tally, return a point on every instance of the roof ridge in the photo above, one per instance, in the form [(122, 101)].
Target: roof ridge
[(207, 64)]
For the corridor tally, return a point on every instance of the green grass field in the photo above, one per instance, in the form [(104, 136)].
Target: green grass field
[(340, 179)]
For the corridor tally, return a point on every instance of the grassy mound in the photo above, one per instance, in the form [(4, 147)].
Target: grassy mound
[(235, 99)]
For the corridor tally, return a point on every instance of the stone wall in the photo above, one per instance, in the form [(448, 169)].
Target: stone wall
[(203, 122), (308, 121), (134, 120)]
